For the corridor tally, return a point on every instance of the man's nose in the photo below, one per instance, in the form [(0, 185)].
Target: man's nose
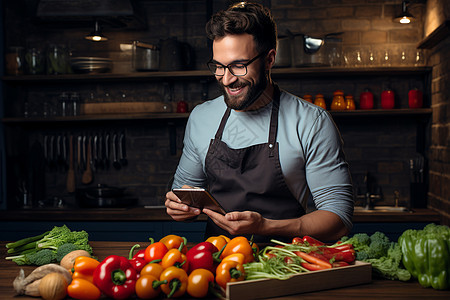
[(228, 78)]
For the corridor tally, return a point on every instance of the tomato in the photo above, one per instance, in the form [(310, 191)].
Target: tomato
[(155, 251), (173, 241), (153, 269), (198, 282), (145, 288)]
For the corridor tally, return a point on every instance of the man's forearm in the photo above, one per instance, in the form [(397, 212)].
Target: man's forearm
[(321, 224)]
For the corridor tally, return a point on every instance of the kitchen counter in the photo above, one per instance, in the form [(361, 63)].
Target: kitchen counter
[(377, 289), (159, 214)]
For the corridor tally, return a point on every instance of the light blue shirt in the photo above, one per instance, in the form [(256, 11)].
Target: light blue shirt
[(310, 149)]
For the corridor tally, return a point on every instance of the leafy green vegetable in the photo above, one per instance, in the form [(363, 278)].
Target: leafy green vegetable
[(51, 240), (389, 266)]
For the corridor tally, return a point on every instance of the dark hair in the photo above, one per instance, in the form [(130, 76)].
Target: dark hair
[(245, 17)]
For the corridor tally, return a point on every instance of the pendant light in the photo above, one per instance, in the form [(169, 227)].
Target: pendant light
[(405, 17), (96, 35)]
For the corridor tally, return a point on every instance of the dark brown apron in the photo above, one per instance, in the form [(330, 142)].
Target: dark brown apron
[(250, 178)]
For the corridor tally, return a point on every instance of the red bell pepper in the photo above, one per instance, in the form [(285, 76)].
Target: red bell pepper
[(347, 255), (203, 256), (155, 251), (312, 241), (115, 277), (137, 261)]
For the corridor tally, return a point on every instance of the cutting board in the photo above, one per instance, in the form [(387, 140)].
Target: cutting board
[(359, 273), (125, 108)]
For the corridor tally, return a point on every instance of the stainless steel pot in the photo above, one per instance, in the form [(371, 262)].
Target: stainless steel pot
[(145, 57)]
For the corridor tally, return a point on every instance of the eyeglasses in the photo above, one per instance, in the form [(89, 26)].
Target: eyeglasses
[(237, 69)]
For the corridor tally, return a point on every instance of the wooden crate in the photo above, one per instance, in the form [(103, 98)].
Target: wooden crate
[(358, 273)]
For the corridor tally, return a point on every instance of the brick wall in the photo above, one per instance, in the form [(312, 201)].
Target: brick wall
[(439, 158)]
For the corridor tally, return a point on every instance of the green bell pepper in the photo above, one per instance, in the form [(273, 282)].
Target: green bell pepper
[(426, 255)]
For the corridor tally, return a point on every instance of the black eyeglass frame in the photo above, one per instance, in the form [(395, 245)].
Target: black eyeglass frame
[(245, 65)]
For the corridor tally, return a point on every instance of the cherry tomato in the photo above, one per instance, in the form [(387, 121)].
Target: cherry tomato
[(198, 282), (145, 288), (155, 251), (153, 269)]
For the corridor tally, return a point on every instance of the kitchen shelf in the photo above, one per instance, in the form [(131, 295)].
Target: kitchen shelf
[(205, 74), (181, 116)]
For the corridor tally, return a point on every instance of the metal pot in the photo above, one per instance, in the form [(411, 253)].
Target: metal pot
[(283, 58), (145, 57), (103, 196)]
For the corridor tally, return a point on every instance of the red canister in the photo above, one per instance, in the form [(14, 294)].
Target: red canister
[(366, 100), (415, 98), (387, 99), (182, 107)]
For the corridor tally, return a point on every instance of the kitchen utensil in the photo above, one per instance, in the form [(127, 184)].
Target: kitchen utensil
[(87, 175), (79, 154), (91, 64), (107, 153), (123, 154), (95, 153), (71, 173), (116, 163)]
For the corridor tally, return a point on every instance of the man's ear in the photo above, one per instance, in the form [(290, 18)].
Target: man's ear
[(270, 59)]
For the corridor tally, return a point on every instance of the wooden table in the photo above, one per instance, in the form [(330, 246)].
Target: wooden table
[(377, 289)]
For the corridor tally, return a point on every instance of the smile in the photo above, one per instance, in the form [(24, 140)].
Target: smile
[(235, 91)]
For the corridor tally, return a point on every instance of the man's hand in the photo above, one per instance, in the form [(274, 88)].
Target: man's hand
[(177, 210), (238, 223)]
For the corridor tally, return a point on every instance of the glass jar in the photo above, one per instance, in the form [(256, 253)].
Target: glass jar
[(366, 100), (349, 103), (57, 60), (35, 63), (14, 61), (338, 102), (308, 98), (320, 101), (75, 104)]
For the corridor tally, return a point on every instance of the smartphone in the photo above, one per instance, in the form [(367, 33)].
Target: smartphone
[(199, 198)]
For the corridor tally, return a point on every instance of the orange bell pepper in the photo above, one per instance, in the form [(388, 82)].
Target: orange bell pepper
[(83, 289), (229, 271), (177, 280), (237, 257), (83, 268), (239, 244), (173, 241), (218, 241)]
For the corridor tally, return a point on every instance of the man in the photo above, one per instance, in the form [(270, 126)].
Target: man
[(258, 149)]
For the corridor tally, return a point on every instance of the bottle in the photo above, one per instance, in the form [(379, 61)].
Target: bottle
[(338, 102), (35, 63), (415, 98), (308, 98), (387, 99), (63, 102), (320, 101), (14, 60), (349, 103), (75, 103), (366, 100)]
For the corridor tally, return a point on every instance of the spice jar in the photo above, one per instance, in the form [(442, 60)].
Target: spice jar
[(14, 61), (366, 100), (338, 102), (415, 98), (387, 99), (308, 98), (57, 60), (320, 101), (349, 103), (35, 63)]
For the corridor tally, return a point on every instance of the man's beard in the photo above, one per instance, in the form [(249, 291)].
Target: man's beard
[(252, 95)]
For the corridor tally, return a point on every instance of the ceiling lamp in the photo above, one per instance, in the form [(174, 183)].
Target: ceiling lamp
[(405, 17), (96, 35)]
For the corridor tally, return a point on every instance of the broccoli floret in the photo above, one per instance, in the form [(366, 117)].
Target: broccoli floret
[(64, 249), (389, 266), (360, 241), (379, 245), (362, 255), (59, 236), (42, 257), (39, 258)]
